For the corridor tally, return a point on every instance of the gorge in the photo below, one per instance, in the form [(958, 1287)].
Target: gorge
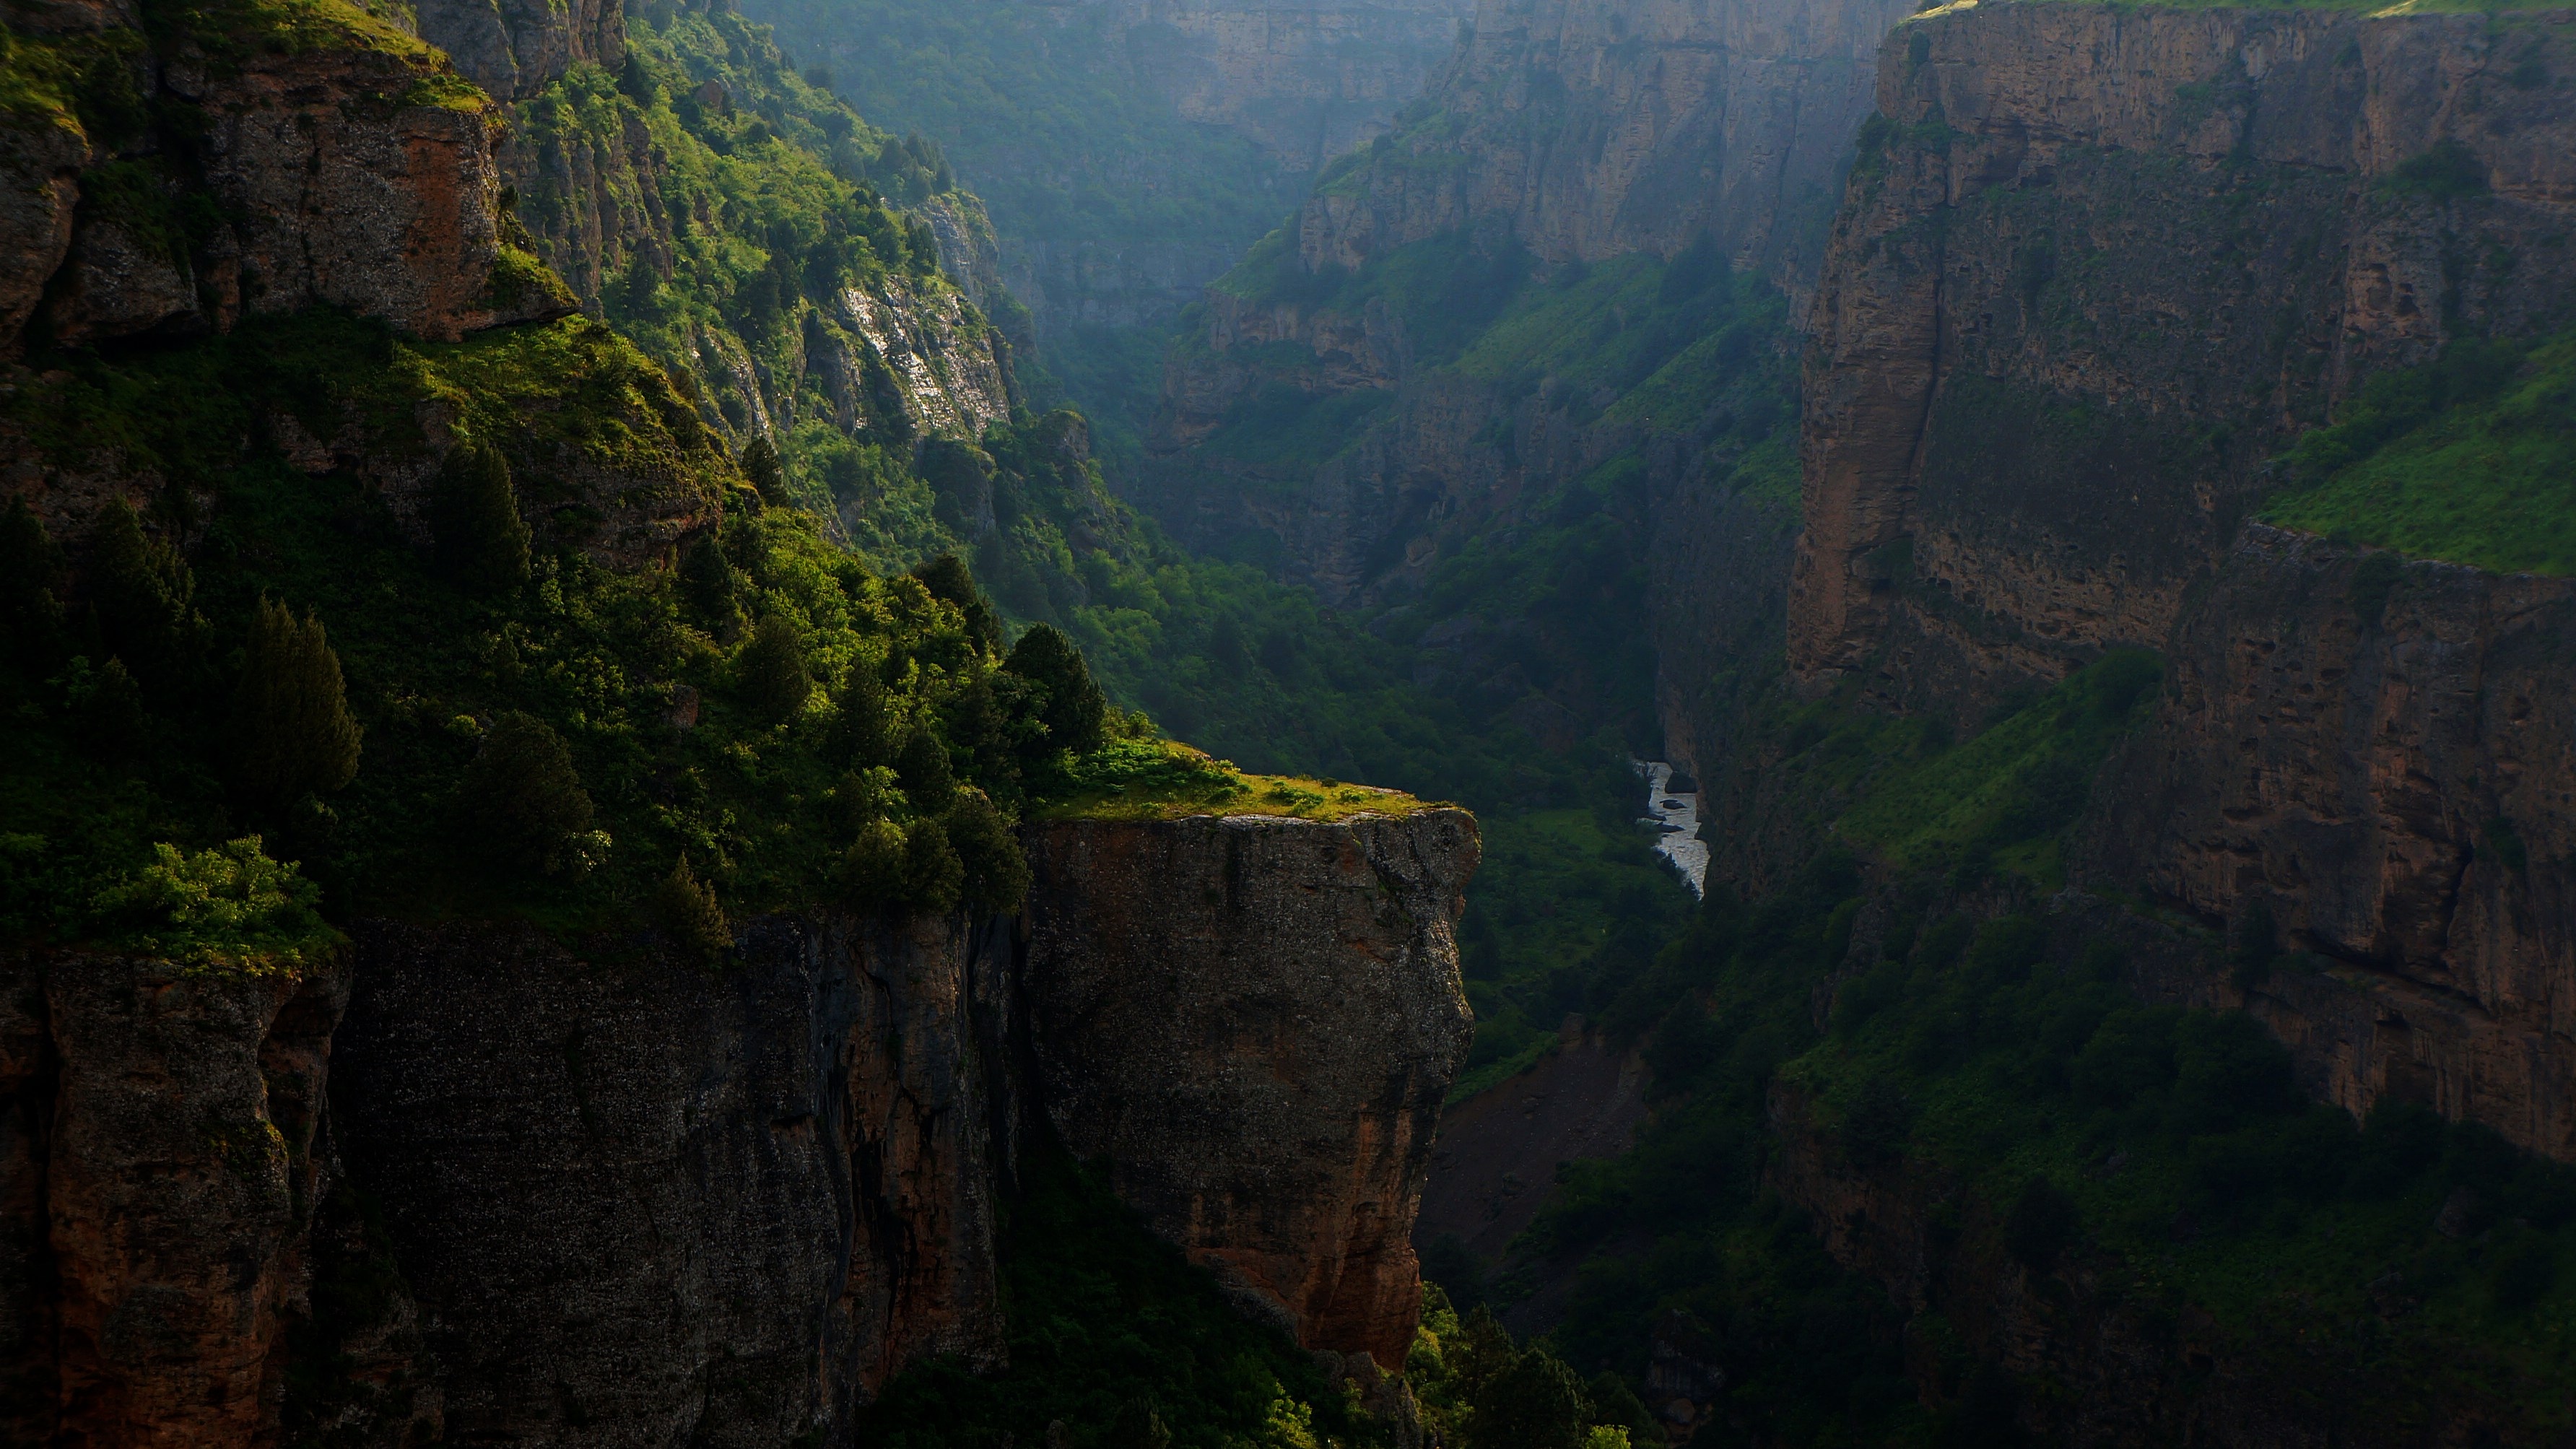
[(602, 606)]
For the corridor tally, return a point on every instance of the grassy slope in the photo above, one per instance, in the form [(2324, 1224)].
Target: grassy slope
[(2470, 460)]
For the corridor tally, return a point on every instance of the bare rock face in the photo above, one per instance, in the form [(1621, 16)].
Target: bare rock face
[(2094, 264), (2384, 766), (642, 1202), (1598, 129), (1254, 1021), (513, 47), (39, 190), (1304, 80), (345, 176), (157, 1177)]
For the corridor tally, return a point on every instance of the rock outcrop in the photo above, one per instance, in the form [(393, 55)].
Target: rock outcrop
[(895, 359), (157, 1179), (2095, 263), (354, 171), (2379, 757), (1254, 1021), (513, 47), (1598, 129)]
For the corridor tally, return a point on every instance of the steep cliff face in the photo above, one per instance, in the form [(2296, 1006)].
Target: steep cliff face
[(2379, 758), (1595, 130), (352, 169), (1304, 81), (2135, 248), (645, 1203), (606, 1196), (160, 1173), (1254, 1020), (511, 48)]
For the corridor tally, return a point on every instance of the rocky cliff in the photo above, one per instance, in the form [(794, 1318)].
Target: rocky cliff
[(350, 168), (1254, 1020), (158, 1180), (1594, 130), (2136, 248), (595, 1194), (665, 187), (2377, 758), (1304, 81), (2095, 267)]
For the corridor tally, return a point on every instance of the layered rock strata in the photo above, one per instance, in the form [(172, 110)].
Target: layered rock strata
[(2095, 263), (1254, 1021)]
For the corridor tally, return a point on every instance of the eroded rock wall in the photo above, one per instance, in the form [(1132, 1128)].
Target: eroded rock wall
[(1254, 1021), (157, 1180), (643, 1202), (2383, 759), (1596, 129), (2095, 264)]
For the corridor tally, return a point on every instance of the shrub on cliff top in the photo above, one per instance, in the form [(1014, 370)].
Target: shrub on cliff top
[(230, 908), (690, 915)]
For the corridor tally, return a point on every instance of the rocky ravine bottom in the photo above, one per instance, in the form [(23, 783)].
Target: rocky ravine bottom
[(601, 1197)]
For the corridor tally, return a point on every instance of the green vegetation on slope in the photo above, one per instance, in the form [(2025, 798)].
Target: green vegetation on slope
[(548, 740), (2469, 459)]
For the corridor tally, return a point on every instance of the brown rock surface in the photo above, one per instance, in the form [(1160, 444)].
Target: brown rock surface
[(513, 47), (2396, 790), (644, 1203), (160, 1170), (1254, 1020), (2094, 264)]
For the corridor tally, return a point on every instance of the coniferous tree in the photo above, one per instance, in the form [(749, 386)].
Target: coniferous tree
[(994, 872), (293, 734), (860, 730), (928, 777), (523, 799), (142, 595), (1074, 711), (772, 669), (933, 877), (761, 466), (707, 580), (691, 915), (32, 572), (872, 870), (110, 713), (482, 541), (948, 578)]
